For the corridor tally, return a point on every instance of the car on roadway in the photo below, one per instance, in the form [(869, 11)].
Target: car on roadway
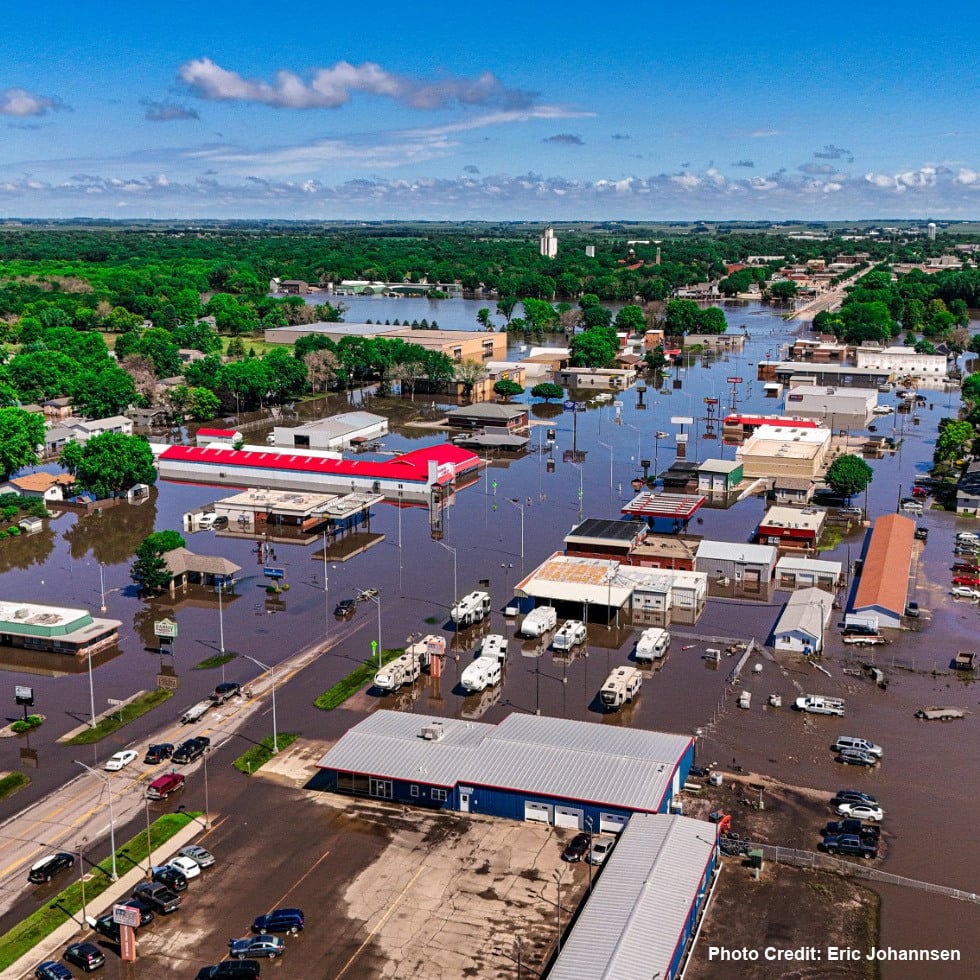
[(192, 749), (168, 875), (861, 811), (920, 493), (280, 920), (345, 608), (158, 753), (964, 592), (88, 956), (856, 757), (230, 970), (970, 580), (200, 854), (921, 534), (577, 847), (253, 947), (601, 849), (852, 796), (53, 970), (188, 867), (850, 844), (120, 760), (44, 870), (882, 410), (850, 512), (225, 691)]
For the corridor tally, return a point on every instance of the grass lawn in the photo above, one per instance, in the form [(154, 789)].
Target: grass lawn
[(12, 782), (126, 714), (258, 755), (30, 931), (335, 696), (217, 661)]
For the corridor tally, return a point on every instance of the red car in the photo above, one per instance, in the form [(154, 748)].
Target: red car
[(966, 580), (967, 567), (920, 492)]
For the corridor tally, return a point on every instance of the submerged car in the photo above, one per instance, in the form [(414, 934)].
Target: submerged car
[(964, 592), (856, 757), (852, 796), (120, 760), (345, 608), (281, 920)]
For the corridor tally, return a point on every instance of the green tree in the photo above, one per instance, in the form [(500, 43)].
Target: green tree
[(712, 320), (683, 316), (20, 434), (953, 440), (507, 389), (150, 571), (547, 390), (631, 319), (849, 474), (110, 463), (593, 348), (596, 316), (103, 393), (203, 403), (470, 372), (483, 318), (505, 307), (783, 289)]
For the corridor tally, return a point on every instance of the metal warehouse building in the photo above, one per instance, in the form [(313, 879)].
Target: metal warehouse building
[(644, 909), (528, 767)]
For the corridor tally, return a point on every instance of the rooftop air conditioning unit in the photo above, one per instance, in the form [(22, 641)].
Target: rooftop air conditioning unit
[(433, 732)]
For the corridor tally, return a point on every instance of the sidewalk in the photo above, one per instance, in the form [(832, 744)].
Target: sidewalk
[(49, 947)]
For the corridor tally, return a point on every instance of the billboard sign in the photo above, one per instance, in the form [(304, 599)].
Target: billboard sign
[(166, 628), (24, 695), (274, 572)]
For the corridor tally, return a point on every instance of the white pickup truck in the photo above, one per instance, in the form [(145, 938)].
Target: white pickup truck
[(817, 704)]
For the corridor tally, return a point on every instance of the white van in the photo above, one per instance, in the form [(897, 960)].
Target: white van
[(850, 742)]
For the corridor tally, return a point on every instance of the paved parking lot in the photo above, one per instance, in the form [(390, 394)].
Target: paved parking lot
[(388, 891)]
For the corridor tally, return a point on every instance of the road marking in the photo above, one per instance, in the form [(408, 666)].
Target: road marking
[(299, 881), (381, 922)]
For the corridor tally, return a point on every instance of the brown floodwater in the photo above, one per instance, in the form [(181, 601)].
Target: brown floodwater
[(926, 781)]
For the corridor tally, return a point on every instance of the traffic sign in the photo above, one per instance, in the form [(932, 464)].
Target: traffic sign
[(24, 695), (274, 572), (165, 628), (115, 701), (734, 381), (711, 401)]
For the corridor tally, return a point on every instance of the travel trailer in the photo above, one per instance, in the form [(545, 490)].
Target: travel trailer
[(621, 686), (471, 609), (652, 645), (539, 621), (571, 634)]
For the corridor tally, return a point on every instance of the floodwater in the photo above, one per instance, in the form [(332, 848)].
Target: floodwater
[(495, 531)]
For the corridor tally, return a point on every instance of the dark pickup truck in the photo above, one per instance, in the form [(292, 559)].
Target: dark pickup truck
[(190, 750), (869, 830), (850, 844), (159, 897)]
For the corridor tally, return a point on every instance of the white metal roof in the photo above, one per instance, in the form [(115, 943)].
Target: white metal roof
[(807, 611), (818, 565), (752, 554), (570, 578), (556, 757), (631, 924)]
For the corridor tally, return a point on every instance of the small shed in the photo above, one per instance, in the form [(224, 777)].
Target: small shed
[(800, 628), (719, 475)]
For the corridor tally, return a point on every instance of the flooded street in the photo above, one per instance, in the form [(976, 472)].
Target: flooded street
[(497, 530)]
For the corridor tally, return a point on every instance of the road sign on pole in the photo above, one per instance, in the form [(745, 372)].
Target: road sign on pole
[(165, 628)]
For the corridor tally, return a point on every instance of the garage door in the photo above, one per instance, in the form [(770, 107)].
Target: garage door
[(537, 811), (611, 822), (567, 816)]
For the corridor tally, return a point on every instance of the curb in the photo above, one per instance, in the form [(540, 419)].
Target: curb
[(68, 932)]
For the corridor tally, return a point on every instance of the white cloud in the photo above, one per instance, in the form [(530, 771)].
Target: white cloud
[(20, 102), (332, 87), (688, 181), (967, 177), (760, 134)]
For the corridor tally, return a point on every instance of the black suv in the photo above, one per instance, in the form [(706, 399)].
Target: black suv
[(173, 878), (282, 920), (345, 608), (226, 691), (158, 753), (45, 869), (107, 927), (192, 749), (577, 847)]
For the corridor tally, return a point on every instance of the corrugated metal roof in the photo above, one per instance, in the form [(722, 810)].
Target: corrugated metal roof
[(631, 924), (554, 757), (794, 564), (754, 554), (807, 611)]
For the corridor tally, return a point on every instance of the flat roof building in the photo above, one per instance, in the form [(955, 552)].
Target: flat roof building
[(335, 433), (794, 572), (719, 475), (56, 629), (903, 362), (583, 581), (779, 450), (791, 526), (489, 415), (735, 561), (595, 538), (664, 512)]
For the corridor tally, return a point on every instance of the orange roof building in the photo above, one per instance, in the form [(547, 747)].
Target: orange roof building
[(884, 583)]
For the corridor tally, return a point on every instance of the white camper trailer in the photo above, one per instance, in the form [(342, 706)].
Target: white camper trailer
[(571, 634), (653, 644), (539, 621), (621, 686), (471, 609)]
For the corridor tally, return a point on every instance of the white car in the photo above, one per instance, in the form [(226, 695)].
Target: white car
[(964, 592), (120, 760), (188, 867), (882, 410), (198, 854), (601, 850), (861, 811)]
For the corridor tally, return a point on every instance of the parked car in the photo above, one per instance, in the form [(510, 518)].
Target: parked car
[(281, 920), (920, 493), (964, 592), (912, 610), (230, 970), (345, 608), (577, 848), (44, 870), (850, 512), (970, 580), (120, 760), (226, 691), (856, 757), (107, 927), (601, 849), (86, 955), (852, 796), (861, 811), (53, 970), (200, 854), (192, 749), (146, 913), (168, 875), (851, 826), (256, 946), (158, 896), (922, 534), (188, 867), (158, 753), (850, 844)]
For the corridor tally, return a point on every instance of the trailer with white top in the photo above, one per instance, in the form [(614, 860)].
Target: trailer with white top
[(621, 686), (569, 635), (482, 673), (401, 671), (653, 644), (471, 609), (539, 621), (494, 646)]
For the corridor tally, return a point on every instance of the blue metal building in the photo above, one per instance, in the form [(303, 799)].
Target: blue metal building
[(570, 774)]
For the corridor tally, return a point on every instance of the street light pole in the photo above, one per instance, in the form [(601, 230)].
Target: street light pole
[(606, 445), (326, 587), (102, 607), (81, 877), (272, 672), (91, 690), (112, 823), (520, 507), (377, 601), (452, 551)]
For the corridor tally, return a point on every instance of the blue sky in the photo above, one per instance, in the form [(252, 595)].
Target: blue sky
[(645, 111)]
